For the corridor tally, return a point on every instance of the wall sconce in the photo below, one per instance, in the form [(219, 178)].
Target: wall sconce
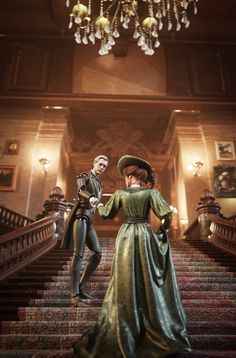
[(196, 167), (45, 164)]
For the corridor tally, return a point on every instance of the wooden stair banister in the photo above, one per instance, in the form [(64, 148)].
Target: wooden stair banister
[(193, 231), (211, 225), (13, 220), (232, 218), (223, 233), (21, 246), (31, 239)]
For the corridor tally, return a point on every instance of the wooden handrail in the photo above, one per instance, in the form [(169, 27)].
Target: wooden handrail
[(19, 247), (191, 226), (25, 230), (223, 233), (12, 219), (232, 218), (211, 225), (222, 221), (193, 231)]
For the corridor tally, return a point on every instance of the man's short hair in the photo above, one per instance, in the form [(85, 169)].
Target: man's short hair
[(101, 156)]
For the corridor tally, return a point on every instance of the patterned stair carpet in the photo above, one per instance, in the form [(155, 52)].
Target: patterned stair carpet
[(38, 322)]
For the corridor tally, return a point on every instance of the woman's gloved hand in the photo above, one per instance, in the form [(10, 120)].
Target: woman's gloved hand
[(95, 202)]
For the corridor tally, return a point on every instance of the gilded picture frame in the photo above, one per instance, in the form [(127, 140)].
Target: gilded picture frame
[(225, 150), (12, 147), (225, 181)]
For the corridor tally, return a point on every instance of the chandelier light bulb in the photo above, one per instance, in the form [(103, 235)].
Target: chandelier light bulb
[(103, 23)]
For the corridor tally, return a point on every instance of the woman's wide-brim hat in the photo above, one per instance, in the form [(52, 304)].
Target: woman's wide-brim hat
[(132, 160)]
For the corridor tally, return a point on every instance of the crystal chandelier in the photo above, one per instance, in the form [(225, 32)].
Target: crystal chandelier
[(146, 16)]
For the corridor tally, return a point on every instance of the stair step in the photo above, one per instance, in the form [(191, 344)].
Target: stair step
[(38, 272), (94, 286), (24, 341), (217, 341), (65, 302), (192, 266), (15, 292), (13, 302), (210, 327), (53, 278), (208, 294), (64, 293), (207, 286), (77, 327), (91, 286), (182, 278), (195, 354), (20, 353), (46, 319), (8, 314), (185, 294), (58, 313), (196, 280), (25, 285), (98, 272), (70, 313), (38, 327), (69, 354)]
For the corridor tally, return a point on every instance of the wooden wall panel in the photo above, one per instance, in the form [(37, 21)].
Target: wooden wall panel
[(230, 64), (29, 69), (61, 71), (46, 66), (207, 72), (5, 61), (43, 66), (201, 70), (177, 74)]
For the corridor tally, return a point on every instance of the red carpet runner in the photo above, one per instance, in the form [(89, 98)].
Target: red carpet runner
[(45, 325)]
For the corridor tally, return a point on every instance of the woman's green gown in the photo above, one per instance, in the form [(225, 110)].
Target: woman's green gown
[(142, 313)]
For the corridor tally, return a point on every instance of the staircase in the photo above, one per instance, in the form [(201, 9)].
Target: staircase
[(45, 325)]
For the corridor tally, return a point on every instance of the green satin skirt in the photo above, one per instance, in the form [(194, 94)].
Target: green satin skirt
[(142, 314)]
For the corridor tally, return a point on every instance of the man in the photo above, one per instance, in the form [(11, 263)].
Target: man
[(80, 230)]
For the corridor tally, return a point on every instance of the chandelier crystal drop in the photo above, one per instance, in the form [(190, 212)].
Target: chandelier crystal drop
[(102, 21)]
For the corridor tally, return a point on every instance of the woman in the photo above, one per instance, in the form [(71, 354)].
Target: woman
[(142, 314)]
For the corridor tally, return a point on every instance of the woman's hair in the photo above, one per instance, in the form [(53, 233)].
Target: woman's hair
[(140, 173)]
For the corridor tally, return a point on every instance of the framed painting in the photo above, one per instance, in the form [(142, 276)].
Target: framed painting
[(225, 181), (7, 177), (225, 150), (12, 147)]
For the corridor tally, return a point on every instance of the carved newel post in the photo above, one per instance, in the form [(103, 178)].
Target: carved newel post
[(56, 204), (207, 205)]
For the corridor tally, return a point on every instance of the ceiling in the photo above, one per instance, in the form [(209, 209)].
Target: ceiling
[(215, 22)]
